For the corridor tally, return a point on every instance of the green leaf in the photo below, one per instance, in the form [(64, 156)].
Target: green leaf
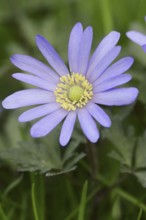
[(129, 150), (141, 152), (140, 214), (2, 214), (31, 156), (44, 155), (140, 160), (83, 201), (125, 195), (123, 142)]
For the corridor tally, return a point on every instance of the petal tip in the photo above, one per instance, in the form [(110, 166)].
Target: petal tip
[(20, 119), (134, 94), (13, 58), (94, 140), (39, 38), (127, 33), (78, 25), (63, 143), (130, 33), (144, 48), (108, 125), (115, 34), (34, 133), (5, 104), (130, 59)]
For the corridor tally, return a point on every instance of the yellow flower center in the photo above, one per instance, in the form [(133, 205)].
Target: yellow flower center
[(73, 91)]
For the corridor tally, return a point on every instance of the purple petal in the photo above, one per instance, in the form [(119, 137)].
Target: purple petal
[(67, 128), (99, 114), (51, 55), (117, 97), (88, 125), (34, 66), (48, 123), (38, 112), (28, 97), (111, 83), (103, 48), (136, 37), (35, 81), (85, 48), (74, 47), (115, 69), (104, 63), (144, 48)]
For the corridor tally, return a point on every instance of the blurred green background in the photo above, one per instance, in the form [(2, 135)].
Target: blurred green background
[(117, 190)]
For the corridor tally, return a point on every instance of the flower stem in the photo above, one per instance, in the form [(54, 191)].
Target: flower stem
[(34, 205), (92, 155), (38, 196)]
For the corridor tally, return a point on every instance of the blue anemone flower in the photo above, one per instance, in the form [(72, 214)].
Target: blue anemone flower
[(65, 94)]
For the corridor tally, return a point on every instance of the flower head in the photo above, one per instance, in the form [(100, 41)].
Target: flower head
[(66, 94)]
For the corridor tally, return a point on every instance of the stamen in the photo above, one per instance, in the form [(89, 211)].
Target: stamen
[(73, 91)]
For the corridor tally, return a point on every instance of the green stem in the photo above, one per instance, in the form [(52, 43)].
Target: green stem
[(75, 211), (92, 156), (34, 205), (42, 196), (140, 214), (38, 195), (106, 15), (2, 214)]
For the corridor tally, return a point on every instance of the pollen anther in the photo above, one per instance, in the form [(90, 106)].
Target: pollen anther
[(74, 91)]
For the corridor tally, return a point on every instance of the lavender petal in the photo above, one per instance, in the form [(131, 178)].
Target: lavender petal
[(115, 69), (28, 97), (88, 125), (111, 83), (74, 47), (51, 55), (136, 37), (98, 113), (117, 97), (35, 81), (67, 128), (34, 66), (85, 48), (103, 64), (144, 48), (38, 112), (48, 123), (103, 48)]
